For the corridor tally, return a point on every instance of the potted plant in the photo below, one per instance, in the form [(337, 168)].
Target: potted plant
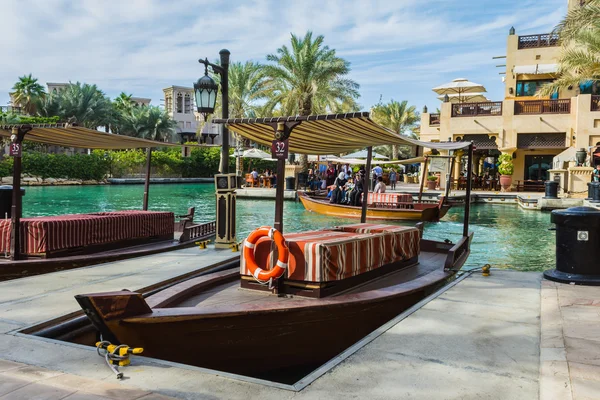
[(506, 169), (431, 182)]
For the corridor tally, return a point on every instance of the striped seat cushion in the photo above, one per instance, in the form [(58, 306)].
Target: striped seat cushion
[(389, 198), (330, 255)]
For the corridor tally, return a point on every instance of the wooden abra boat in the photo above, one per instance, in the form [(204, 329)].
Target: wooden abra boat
[(337, 286), (390, 206)]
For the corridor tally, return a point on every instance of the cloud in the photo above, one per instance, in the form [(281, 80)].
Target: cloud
[(142, 46)]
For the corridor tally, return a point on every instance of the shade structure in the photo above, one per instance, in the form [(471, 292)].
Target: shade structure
[(327, 134), (357, 161), (465, 97), (79, 137), (459, 86), (363, 154), (256, 153)]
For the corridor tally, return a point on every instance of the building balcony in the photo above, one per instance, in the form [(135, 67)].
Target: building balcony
[(537, 41), (488, 108), (595, 103), (11, 109), (434, 119), (559, 106)]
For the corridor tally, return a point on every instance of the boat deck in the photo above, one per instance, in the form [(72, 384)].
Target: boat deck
[(230, 294)]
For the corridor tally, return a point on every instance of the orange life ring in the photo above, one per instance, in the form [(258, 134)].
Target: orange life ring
[(283, 251)]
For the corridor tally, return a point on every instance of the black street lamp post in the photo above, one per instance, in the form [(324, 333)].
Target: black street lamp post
[(206, 89), (205, 92)]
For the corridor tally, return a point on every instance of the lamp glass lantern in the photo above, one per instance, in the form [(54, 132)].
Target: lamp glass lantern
[(205, 91)]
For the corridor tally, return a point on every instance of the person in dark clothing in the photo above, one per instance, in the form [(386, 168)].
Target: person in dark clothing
[(356, 194), (338, 192)]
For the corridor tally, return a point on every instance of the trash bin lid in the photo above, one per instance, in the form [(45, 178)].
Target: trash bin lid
[(579, 214)]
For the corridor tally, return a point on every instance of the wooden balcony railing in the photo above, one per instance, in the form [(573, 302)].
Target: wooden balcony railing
[(488, 108), (535, 41), (11, 109), (595, 103), (434, 119), (560, 106)]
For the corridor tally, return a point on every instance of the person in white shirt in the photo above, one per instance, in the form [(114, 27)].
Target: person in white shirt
[(254, 174), (380, 187)]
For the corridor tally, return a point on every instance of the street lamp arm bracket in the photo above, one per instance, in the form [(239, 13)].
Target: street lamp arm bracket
[(216, 68)]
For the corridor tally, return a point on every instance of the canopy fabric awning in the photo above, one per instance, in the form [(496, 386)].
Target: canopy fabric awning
[(536, 69), (83, 138), (327, 134)]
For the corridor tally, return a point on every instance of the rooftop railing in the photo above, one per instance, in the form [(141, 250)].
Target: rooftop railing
[(595, 103), (559, 106), (434, 119), (535, 41), (487, 108), (11, 109)]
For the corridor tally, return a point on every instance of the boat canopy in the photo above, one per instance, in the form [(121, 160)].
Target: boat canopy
[(328, 133), (76, 136)]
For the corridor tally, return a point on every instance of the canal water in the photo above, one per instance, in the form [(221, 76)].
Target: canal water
[(506, 236)]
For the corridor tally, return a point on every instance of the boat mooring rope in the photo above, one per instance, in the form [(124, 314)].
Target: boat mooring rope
[(116, 355)]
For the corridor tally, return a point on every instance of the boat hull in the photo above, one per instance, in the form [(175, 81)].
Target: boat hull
[(266, 339), (422, 212)]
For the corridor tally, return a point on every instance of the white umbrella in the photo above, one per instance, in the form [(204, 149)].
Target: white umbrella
[(459, 86), (465, 98), (363, 154), (252, 153)]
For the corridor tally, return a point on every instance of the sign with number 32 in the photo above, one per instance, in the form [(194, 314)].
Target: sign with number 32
[(279, 149)]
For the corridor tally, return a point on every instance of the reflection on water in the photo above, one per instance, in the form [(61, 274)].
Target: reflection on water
[(505, 235)]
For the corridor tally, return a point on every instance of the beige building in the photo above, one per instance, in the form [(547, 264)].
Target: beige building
[(533, 130)]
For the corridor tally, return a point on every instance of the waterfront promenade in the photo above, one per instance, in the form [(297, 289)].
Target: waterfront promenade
[(482, 338)]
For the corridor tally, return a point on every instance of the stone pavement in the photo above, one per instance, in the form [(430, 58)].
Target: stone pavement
[(570, 342), (24, 382)]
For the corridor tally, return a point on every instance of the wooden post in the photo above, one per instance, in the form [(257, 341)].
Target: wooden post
[(468, 195), (17, 203), (449, 178), (279, 194), (423, 177), (147, 182), (366, 184)]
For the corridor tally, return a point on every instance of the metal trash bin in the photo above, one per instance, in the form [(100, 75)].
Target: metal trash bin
[(6, 200), (590, 191), (577, 246), (290, 183), (595, 192), (551, 190)]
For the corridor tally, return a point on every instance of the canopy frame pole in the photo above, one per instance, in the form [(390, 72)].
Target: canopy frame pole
[(366, 184), (282, 131), (468, 194), (423, 177), (17, 200), (449, 179), (147, 181)]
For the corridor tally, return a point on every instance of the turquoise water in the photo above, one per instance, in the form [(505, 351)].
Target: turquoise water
[(505, 235)]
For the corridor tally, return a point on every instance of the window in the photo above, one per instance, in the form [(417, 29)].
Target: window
[(590, 87), (169, 104), (529, 88), (179, 103), (536, 167), (188, 125), (187, 104)]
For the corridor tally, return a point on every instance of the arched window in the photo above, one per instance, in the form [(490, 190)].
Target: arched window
[(169, 103), (179, 103), (187, 107)]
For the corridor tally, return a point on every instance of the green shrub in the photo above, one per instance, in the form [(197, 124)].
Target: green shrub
[(506, 166), (432, 178)]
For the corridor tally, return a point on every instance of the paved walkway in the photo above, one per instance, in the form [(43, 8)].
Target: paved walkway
[(570, 343), (478, 340)]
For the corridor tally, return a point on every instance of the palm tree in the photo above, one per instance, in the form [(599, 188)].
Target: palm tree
[(84, 104), (247, 84), (579, 62), (308, 79), (123, 102), (398, 117), (148, 123), (27, 93)]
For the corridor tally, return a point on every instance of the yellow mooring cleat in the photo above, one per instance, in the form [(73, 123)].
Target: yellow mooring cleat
[(485, 270), (119, 354), (202, 245), (235, 247)]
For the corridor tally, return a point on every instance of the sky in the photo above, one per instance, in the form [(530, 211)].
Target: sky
[(398, 49)]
